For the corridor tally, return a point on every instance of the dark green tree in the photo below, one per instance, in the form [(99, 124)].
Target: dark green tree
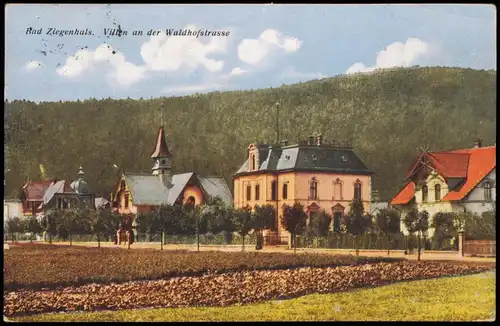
[(388, 223), (14, 225), (32, 226), (320, 223), (50, 223), (417, 222), (264, 218), (444, 227), (294, 220), (242, 220), (357, 222)]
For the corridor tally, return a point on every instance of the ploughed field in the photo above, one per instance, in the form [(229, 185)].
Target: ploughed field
[(42, 278)]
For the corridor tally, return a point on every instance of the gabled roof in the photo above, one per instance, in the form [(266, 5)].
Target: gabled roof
[(101, 202), (217, 187), (150, 190), (57, 187), (450, 165), (34, 190), (146, 189), (472, 164), (161, 148), (404, 196), (481, 162)]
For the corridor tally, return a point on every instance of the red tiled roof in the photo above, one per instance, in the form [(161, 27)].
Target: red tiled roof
[(404, 196), (481, 162), (450, 165), (474, 164), (34, 190), (161, 148)]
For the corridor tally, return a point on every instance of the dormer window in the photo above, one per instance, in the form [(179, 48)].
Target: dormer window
[(122, 185), (437, 192), (127, 199), (425, 193)]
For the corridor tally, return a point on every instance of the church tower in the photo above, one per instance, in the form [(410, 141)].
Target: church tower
[(162, 158)]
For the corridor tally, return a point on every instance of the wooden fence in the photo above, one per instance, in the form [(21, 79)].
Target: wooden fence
[(480, 248)]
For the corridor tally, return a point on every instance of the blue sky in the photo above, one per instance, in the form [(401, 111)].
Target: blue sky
[(268, 45)]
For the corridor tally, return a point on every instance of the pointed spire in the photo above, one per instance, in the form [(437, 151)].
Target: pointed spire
[(161, 148), (80, 173)]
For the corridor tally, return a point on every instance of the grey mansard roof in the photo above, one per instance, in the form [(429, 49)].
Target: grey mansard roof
[(299, 157)]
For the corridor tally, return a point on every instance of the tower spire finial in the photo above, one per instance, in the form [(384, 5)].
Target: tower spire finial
[(161, 114)]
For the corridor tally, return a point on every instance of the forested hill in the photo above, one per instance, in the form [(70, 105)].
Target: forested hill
[(387, 115)]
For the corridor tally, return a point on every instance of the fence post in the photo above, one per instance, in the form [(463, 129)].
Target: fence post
[(461, 243)]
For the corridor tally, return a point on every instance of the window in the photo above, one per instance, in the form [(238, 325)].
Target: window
[(257, 192), (437, 192), (126, 200), (274, 188), (249, 192), (65, 203), (357, 190), (425, 193), (122, 185), (487, 191), (337, 189), (285, 191), (313, 189), (191, 201)]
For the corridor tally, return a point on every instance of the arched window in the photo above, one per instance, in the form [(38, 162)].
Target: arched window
[(122, 185), (437, 192), (337, 189), (257, 192), (274, 190), (313, 189), (191, 201), (425, 192), (249, 192), (285, 191), (357, 190), (487, 191), (127, 199)]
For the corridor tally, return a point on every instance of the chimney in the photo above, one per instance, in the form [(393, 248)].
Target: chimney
[(166, 179), (311, 141), (319, 140), (284, 142), (478, 143)]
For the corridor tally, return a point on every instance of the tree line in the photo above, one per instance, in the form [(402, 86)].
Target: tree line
[(386, 116), (216, 217)]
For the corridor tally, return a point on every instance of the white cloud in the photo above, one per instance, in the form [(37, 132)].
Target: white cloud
[(123, 72), (33, 64), (237, 71), (396, 54), (292, 73), (160, 53), (172, 53), (253, 51)]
